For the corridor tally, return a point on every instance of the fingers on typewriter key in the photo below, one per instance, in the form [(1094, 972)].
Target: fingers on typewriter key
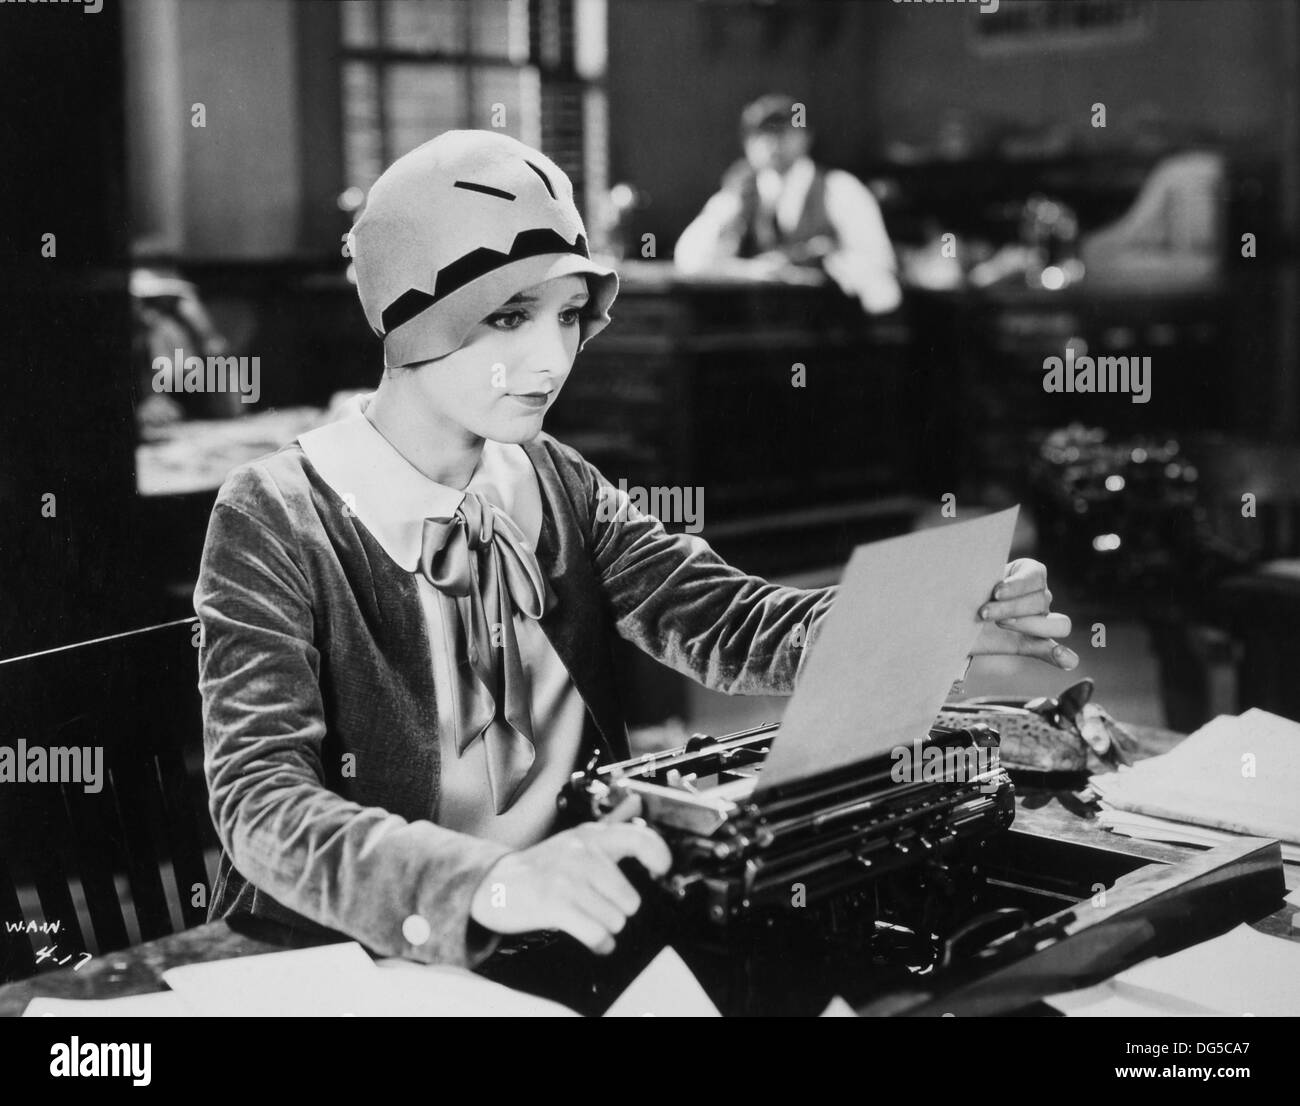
[(607, 881), (601, 910), (600, 901), (582, 926), (638, 842), (626, 810)]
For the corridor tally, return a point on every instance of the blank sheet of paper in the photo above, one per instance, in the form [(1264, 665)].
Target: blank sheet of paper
[(1113, 999), (329, 981), (342, 981), (904, 620), (838, 1008), (1242, 973), (407, 989), (157, 1004), (667, 988)]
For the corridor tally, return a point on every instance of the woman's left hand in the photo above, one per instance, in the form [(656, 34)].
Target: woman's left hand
[(1018, 619)]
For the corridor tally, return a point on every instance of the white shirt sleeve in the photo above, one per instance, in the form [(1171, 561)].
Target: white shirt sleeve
[(714, 234), (864, 265)]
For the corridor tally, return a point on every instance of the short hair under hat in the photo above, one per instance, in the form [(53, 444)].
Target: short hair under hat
[(772, 112), (456, 227)]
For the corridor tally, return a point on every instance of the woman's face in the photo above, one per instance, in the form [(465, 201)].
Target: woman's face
[(503, 380)]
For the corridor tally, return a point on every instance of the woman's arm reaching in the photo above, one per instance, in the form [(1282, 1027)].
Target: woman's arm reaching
[(676, 599)]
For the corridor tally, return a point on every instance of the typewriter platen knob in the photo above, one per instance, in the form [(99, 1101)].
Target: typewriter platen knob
[(698, 741)]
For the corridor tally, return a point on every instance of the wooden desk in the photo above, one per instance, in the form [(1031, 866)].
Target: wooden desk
[(139, 970)]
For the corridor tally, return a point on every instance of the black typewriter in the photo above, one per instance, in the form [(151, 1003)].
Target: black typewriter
[(856, 807), (745, 852)]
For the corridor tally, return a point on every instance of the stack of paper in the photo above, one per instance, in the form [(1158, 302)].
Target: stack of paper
[(1244, 973), (1233, 775)]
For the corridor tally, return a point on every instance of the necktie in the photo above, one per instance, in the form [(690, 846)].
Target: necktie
[(480, 563), (767, 232), (767, 228)]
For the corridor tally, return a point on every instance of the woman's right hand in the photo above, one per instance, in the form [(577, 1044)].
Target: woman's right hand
[(571, 882)]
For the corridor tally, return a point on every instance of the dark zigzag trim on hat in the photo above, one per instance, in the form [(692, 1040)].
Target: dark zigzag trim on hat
[(476, 263)]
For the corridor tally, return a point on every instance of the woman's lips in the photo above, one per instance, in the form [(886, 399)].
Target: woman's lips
[(533, 400)]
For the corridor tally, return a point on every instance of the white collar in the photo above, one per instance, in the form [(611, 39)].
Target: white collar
[(392, 498), (800, 173), (795, 194), (786, 195)]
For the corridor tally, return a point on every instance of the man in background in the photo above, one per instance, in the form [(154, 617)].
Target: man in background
[(778, 209)]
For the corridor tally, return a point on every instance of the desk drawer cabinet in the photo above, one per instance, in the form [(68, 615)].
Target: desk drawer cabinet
[(696, 388)]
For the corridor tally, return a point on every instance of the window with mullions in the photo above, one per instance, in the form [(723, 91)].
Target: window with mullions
[(533, 69), (1029, 26)]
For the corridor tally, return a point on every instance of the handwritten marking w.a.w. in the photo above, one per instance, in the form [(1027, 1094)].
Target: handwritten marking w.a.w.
[(32, 927)]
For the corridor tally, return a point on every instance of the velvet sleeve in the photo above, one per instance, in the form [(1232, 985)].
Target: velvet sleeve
[(401, 888), (676, 599)]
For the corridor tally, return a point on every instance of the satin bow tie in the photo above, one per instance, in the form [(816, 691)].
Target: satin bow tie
[(479, 561)]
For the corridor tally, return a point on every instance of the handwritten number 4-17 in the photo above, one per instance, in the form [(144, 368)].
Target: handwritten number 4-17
[(49, 950)]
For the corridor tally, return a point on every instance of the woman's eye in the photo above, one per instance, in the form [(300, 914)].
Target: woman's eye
[(507, 320), (570, 316)]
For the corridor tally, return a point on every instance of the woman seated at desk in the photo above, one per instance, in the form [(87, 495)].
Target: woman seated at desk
[(408, 615)]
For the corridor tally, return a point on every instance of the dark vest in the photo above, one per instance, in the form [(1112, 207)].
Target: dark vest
[(813, 220)]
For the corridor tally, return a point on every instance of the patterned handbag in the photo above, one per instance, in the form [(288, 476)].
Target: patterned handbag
[(1066, 734)]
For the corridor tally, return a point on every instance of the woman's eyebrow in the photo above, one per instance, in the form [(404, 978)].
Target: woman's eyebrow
[(524, 299)]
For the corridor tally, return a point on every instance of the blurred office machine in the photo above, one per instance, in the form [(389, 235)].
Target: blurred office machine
[(1196, 535), (120, 848), (170, 323), (1172, 235), (1251, 521), (1154, 267)]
